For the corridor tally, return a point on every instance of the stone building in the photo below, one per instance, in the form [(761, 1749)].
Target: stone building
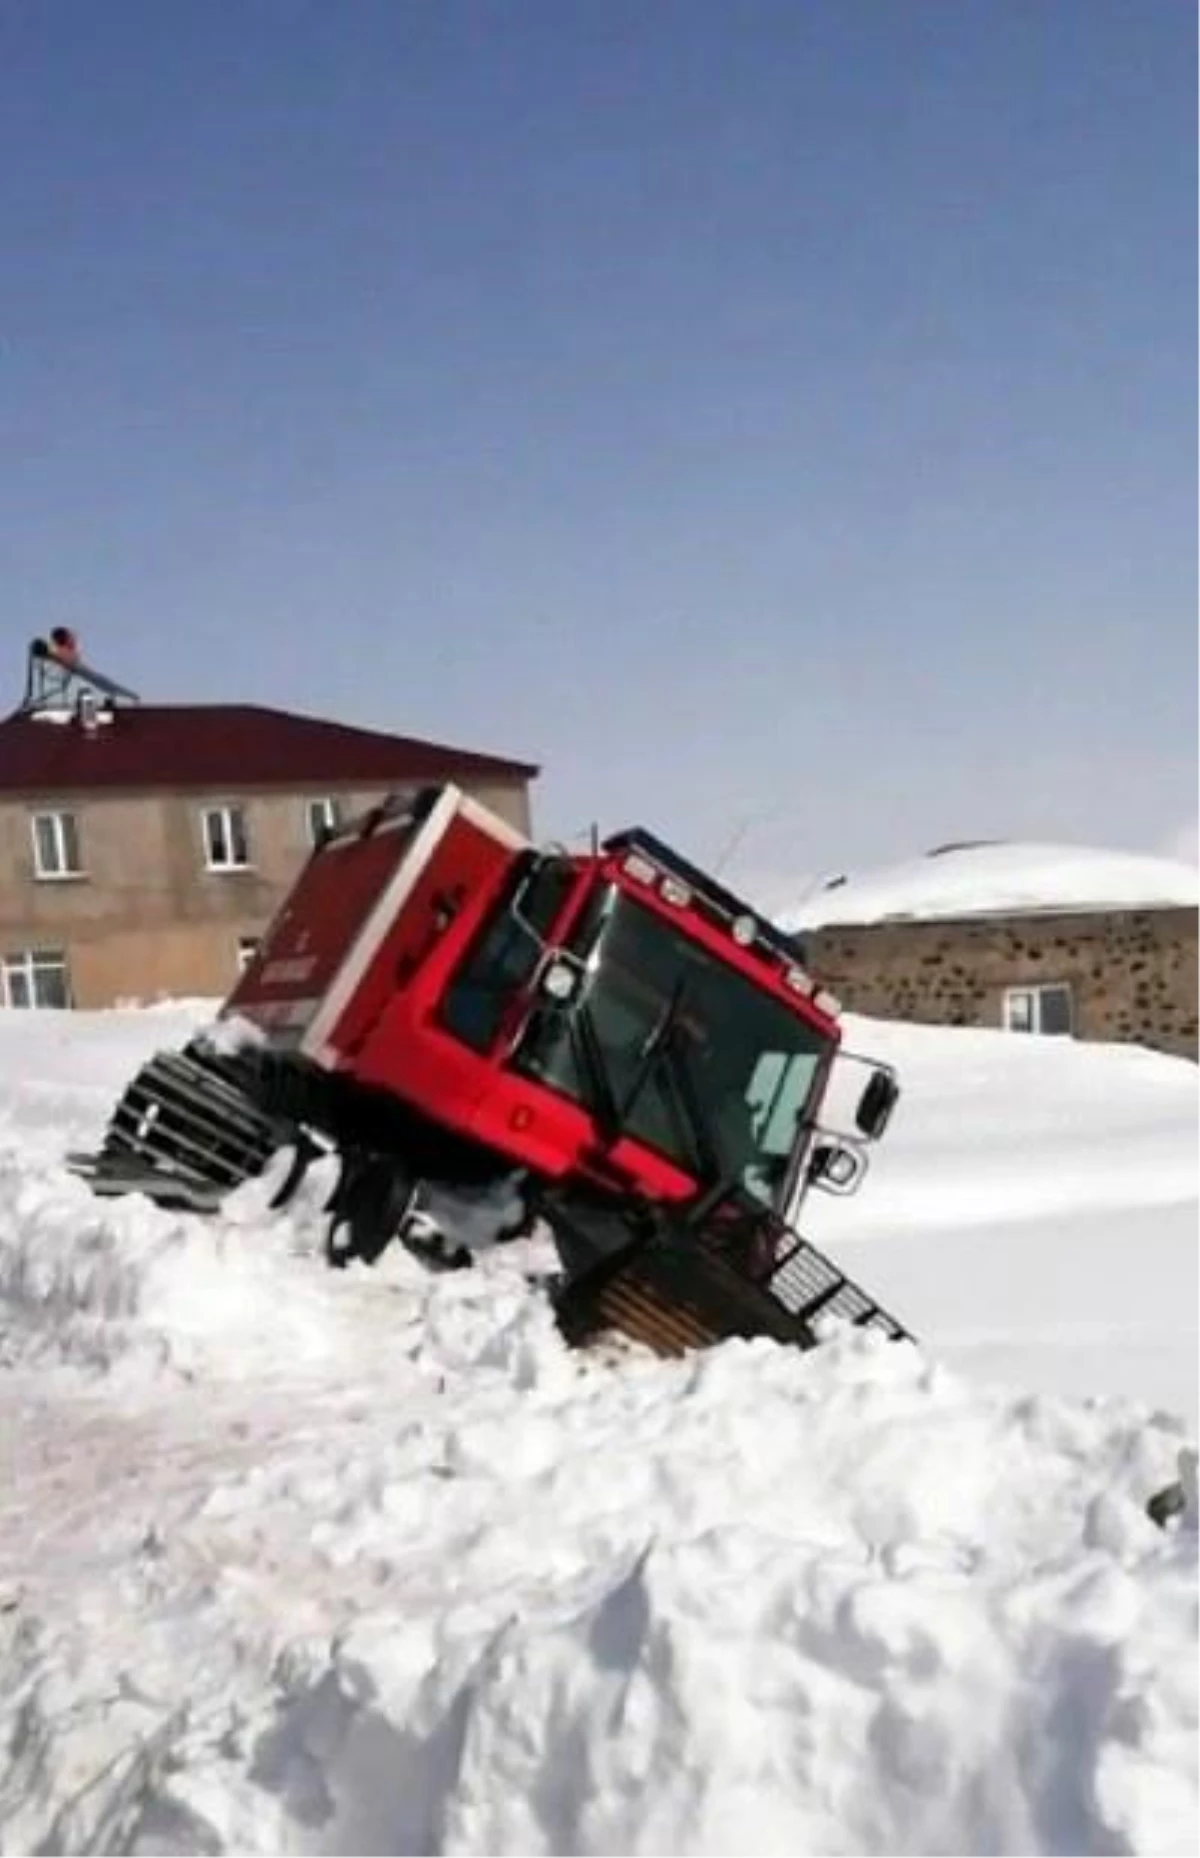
[(144, 848), (1031, 938)]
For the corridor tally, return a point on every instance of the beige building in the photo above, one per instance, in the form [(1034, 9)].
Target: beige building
[(144, 848), (1056, 941)]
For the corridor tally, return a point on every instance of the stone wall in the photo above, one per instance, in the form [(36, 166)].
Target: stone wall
[(1132, 973)]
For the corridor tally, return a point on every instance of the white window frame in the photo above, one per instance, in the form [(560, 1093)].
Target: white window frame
[(227, 812), (247, 948), (67, 860), (30, 964), (329, 806), (1029, 996)]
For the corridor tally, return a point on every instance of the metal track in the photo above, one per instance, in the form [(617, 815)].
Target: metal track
[(193, 1125), (185, 1132)]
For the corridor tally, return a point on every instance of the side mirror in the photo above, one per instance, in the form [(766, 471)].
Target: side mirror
[(835, 1168), (875, 1106)]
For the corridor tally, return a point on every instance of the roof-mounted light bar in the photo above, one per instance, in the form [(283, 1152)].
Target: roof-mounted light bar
[(744, 926), (640, 868)]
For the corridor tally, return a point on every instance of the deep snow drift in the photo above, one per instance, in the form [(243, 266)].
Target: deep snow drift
[(1033, 1211), (367, 1562)]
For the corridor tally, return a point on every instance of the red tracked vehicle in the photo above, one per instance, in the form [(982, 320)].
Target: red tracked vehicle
[(610, 1038)]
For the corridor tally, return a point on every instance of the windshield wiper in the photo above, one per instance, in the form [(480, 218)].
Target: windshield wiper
[(612, 1115), (661, 1031), (608, 1114), (691, 1100), (663, 1049), (713, 1167)]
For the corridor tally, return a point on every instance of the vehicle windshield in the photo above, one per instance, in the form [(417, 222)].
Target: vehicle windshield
[(747, 1062)]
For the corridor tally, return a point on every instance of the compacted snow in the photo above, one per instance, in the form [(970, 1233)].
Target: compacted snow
[(996, 877), (368, 1562)]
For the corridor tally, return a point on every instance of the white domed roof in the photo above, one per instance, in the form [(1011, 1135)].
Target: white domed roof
[(996, 878)]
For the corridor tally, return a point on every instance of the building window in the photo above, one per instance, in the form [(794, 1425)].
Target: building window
[(34, 977), (247, 950), (56, 845), (324, 817), (1045, 1009), (226, 847)]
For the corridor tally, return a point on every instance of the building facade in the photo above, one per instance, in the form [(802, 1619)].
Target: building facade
[(143, 850), (1122, 975), (1052, 940)]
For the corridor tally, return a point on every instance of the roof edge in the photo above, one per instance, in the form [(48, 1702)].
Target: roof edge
[(455, 749), (1031, 913), (317, 737)]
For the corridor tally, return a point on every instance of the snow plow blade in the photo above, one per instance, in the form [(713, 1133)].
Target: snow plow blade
[(674, 1285)]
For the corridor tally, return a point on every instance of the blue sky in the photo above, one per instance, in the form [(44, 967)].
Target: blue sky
[(776, 419)]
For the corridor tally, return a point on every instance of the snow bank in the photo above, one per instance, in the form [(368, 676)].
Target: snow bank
[(1032, 1214), (973, 880), (754, 1603), (993, 1127), (56, 1086), (353, 1562)]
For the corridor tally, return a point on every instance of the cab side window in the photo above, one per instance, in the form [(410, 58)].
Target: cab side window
[(503, 958)]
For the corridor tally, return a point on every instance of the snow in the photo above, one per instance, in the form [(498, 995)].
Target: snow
[(992, 878), (293, 1561), (1066, 1172)]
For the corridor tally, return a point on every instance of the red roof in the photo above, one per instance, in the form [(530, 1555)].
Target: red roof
[(224, 746)]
